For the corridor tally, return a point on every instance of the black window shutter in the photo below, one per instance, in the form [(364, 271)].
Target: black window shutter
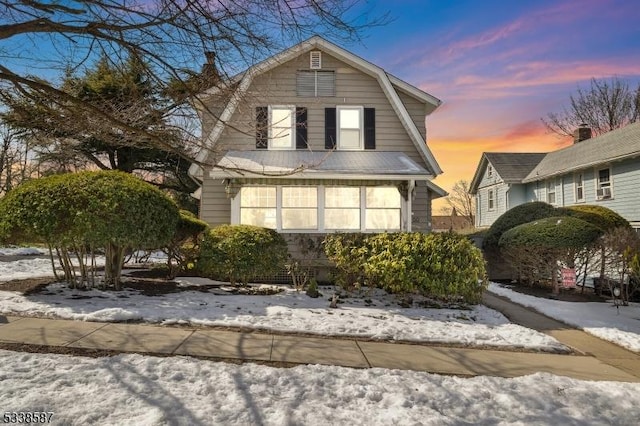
[(301, 128), (369, 128), (262, 127), (330, 128)]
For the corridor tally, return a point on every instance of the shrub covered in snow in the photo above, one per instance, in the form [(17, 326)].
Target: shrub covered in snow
[(239, 253), (79, 213), (444, 265), (518, 215)]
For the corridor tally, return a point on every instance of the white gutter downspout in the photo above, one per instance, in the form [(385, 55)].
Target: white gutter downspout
[(409, 215)]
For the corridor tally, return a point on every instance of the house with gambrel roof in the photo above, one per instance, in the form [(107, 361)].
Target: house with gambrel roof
[(604, 170), (317, 140)]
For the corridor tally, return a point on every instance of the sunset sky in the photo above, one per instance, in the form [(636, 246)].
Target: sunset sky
[(500, 66)]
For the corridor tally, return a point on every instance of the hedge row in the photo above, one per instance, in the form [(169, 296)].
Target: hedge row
[(445, 266)]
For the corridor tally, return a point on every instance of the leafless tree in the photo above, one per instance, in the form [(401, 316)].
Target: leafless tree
[(462, 201), (170, 37), (604, 106), (15, 165)]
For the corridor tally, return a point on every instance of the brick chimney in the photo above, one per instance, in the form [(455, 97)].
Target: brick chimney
[(582, 133)]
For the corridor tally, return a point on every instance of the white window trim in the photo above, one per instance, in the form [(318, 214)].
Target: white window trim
[(235, 212), (552, 183), (291, 108), (489, 199), (577, 176), (338, 127), (599, 186), (489, 171)]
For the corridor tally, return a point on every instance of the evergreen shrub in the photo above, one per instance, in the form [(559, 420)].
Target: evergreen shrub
[(239, 253)]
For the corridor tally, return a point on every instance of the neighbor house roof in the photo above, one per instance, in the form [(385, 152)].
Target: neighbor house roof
[(512, 167), (615, 145), (389, 84)]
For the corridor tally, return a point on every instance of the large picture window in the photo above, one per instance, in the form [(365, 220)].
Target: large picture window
[(299, 207), (342, 208), (258, 206), (350, 123), (383, 208)]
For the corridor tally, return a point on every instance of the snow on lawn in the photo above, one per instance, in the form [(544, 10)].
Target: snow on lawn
[(288, 311), (25, 268), (22, 251), (144, 390), (620, 326)]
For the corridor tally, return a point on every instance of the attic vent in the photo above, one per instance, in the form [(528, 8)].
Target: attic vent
[(315, 60)]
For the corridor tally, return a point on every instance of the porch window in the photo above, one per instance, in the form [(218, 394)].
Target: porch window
[(282, 127), (350, 124), (319, 208), (258, 206), (382, 208), (579, 187), (299, 207), (342, 208)]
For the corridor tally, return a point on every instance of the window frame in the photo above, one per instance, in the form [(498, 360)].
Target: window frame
[(489, 171), (578, 184), (491, 200), (272, 126), (236, 207), (360, 110), (552, 184), (600, 185)]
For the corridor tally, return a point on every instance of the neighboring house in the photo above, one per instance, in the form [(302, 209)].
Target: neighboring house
[(603, 170), (452, 222), (317, 140)]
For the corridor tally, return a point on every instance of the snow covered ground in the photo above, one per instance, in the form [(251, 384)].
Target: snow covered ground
[(144, 390), (288, 311), (620, 326)]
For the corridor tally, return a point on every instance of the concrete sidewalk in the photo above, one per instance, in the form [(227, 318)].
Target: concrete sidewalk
[(587, 344), (222, 344)]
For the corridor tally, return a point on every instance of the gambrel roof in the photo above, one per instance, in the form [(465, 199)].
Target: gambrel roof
[(612, 146), (390, 85)]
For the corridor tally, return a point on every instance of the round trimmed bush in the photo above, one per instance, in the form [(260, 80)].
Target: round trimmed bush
[(518, 215), (560, 232), (108, 210), (239, 253), (602, 217)]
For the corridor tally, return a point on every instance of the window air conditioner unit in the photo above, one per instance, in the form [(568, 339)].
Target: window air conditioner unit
[(603, 193), (315, 60)]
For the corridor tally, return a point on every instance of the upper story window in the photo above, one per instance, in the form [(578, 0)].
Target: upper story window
[(350, 128), (316, 84), (491, 199), (579, 187), (282, 127), (551, 191), (490, 171), (603, 184)]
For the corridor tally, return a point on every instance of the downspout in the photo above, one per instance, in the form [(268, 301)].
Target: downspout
[(409, 215)]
